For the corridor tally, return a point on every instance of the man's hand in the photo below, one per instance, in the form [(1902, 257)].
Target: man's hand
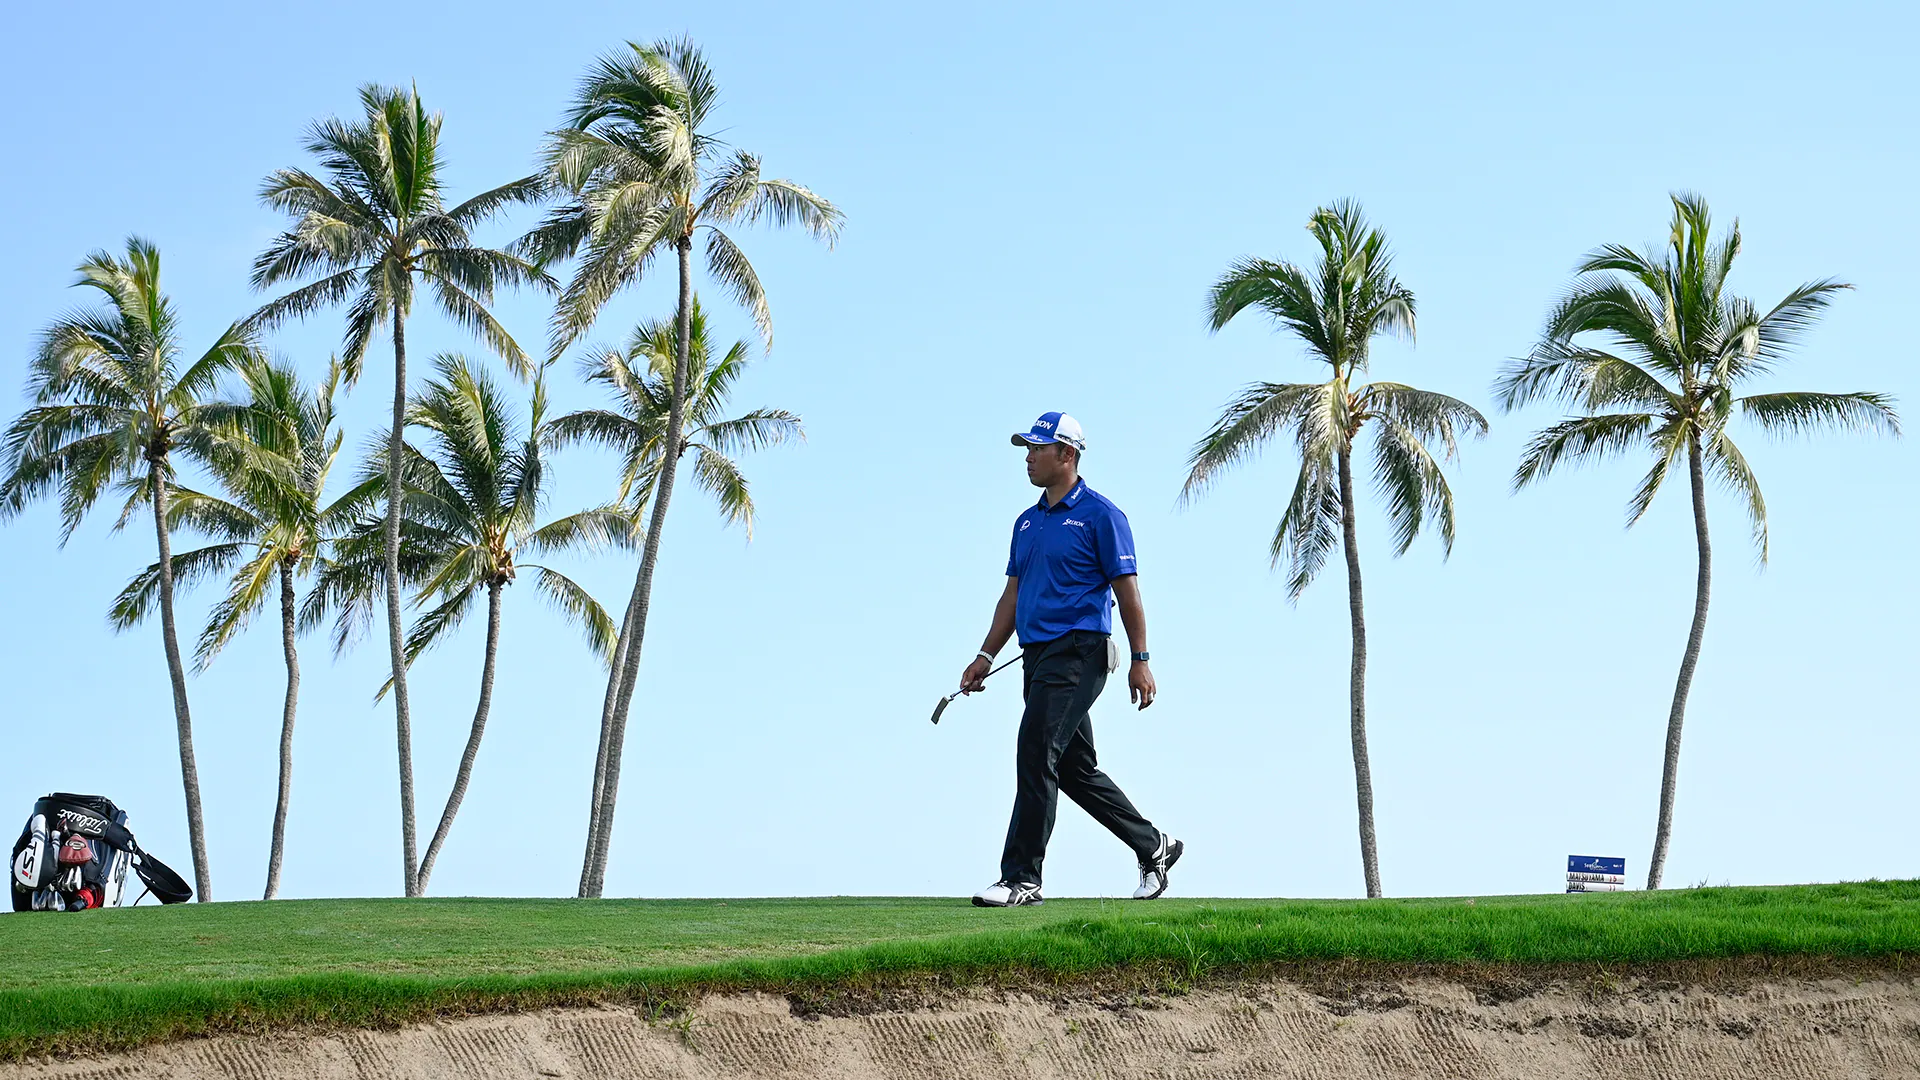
[(974, 679), (1140, 683)]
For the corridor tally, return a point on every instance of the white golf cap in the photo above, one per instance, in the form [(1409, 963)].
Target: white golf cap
[(1053, 427)]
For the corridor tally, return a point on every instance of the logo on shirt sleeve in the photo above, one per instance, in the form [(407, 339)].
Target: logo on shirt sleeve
[(1024, 522)]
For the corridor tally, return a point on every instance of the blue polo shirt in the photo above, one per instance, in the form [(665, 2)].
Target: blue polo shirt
[(1066, 557)]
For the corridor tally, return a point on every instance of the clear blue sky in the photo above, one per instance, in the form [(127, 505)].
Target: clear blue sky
[(1036, 203)]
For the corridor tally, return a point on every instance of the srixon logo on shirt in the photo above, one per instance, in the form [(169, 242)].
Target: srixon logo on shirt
[(1070, 521)]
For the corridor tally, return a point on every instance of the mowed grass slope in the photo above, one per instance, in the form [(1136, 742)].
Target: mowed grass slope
[(98, 980)]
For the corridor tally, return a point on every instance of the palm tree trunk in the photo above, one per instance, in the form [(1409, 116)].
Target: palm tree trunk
[(1357, 687), (615, 671), (465, 772), (278, 847), (649, 556), (396, 648), (182, 719), (1676, 716)]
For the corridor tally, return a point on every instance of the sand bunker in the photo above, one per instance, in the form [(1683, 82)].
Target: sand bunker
[(1638, 1028)]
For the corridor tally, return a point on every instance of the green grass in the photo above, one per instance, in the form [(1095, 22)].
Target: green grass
[(99, 980)]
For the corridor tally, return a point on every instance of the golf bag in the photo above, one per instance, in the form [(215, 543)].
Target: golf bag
[(74, 854)]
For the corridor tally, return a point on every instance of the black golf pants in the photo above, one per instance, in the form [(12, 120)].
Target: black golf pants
[(1062, 678)]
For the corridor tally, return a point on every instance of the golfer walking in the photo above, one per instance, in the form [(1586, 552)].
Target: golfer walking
[(1072, 555)]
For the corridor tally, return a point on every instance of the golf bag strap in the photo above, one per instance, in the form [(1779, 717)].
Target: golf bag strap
[(166, 886)]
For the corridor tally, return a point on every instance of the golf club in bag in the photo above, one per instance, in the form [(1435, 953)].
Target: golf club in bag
[(74, 854)]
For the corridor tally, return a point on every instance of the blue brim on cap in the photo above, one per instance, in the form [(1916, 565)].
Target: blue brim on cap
[(1028, 438)]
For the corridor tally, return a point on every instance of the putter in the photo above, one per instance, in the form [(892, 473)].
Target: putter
[(948, 700)]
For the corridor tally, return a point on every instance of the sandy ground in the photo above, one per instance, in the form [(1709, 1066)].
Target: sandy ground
[(1639, 1028)]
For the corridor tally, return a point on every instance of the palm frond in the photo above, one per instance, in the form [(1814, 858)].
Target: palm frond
[(720, 477), (469, 312), (1310, 528), (247, 590), (611, 263), (1613, 308), (235, 346), (1245, 426), (1803, 413), (1583, 438), (1412, 485), (600, 427), (141, 594), (1781, 327), (560, 234), (1425, 414), (783, 202), (731, 188), (81, 470), (1730, 466), (44, 444), (472, 212), (591, 530), (1282, 290), (580, 609), (729, 266), (213, 516), (431, 628), (1669, 441), (366, 315), (757, 430)]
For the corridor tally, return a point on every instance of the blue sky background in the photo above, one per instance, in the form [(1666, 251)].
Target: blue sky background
[(1037, 201)]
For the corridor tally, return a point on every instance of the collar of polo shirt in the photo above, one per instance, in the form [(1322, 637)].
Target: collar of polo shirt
[(1071, 497)]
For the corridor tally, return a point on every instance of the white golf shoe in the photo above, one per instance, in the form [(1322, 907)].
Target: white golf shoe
[(1008, 894), (1153, 872)]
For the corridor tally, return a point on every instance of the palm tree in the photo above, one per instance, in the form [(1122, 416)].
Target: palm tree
[(110, 405), (1337, 308), (640, 174), (1677, 345), (640, 376), (470, 507), (271, 530), (369, 231)]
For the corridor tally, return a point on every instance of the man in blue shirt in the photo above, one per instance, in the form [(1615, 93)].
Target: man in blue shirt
[(1072, 555)]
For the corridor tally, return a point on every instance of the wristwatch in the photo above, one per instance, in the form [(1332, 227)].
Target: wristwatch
[(1139, 658)]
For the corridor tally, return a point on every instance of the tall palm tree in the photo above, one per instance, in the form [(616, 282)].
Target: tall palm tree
[(1337, 308), (640, 377), (641, 173), (470, 507), (374, 226), (110, 404), (1676, 346), (271, 529)]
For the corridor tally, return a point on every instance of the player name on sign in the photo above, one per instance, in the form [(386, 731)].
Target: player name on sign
[(1596, 873)]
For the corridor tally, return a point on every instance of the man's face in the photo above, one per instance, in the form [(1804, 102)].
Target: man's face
[(1047, 463)]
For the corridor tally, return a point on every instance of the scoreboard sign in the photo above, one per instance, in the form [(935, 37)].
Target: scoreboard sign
[(1596, 873)]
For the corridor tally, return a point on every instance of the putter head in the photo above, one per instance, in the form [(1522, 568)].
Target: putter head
[(940, 708)]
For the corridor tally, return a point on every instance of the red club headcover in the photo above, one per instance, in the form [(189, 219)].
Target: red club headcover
[(75, 851)]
